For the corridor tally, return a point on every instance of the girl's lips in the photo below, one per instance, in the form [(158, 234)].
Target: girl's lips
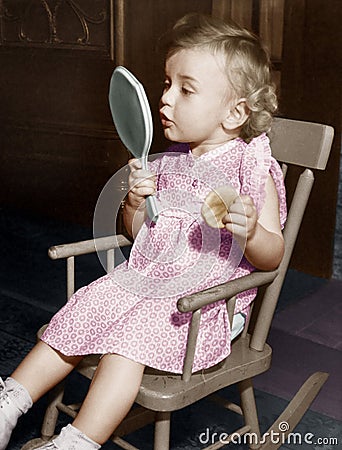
[(166, 122)]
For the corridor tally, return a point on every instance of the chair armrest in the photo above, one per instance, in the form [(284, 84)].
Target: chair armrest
[(90, 246), (227, 291), (223, 291)]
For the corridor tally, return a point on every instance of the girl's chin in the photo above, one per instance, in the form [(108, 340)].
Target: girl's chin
[(172, 136), (168, 134)]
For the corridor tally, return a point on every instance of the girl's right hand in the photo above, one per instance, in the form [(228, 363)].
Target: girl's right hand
[(141, 183)]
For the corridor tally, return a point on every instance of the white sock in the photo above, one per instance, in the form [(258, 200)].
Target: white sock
[(14, 402), (18, 394), (71, 438)]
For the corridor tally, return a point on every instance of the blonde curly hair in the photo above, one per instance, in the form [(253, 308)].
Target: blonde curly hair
[(247, 64)]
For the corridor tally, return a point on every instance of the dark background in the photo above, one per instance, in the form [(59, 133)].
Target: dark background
[(57, 142)]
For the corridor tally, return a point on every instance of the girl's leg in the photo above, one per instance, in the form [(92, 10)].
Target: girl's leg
[(111, 394), (42, 369)]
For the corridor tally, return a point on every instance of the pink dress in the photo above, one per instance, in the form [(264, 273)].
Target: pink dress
[(132, 311)]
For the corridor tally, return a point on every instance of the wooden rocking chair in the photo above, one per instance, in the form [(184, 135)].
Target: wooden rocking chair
[(295, 143)]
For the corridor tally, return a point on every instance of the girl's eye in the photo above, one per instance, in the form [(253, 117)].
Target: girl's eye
[(186, 91), (167, 85)]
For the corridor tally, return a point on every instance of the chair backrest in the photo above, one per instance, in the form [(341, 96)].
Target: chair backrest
[(303, 144)]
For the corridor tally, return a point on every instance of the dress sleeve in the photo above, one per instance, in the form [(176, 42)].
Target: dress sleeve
[(278, 179), (256, 164)]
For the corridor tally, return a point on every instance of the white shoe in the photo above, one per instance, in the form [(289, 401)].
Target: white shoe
[(70, 438), (14, 401)]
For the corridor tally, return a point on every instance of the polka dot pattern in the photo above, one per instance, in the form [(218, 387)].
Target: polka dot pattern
[(132, 311)]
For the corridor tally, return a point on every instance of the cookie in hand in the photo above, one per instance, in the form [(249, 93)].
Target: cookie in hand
[(216, 205)]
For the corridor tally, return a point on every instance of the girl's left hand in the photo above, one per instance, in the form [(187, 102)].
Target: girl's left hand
[(242, 218)]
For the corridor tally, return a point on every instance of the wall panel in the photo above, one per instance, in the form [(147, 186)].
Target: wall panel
[(57, 136), (58, 143)]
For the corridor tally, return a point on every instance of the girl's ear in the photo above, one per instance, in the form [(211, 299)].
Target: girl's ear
[(236, 116)]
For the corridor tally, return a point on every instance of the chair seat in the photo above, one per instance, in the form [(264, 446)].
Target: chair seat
[(162, 391)]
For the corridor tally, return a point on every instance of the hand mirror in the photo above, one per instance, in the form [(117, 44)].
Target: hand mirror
[(133, 120)]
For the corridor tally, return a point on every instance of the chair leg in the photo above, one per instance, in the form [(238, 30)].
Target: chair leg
[(294, 411), (162, 431), (250, 412), (51, 413)]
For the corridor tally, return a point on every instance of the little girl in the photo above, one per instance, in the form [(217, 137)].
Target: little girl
[(217, 105)]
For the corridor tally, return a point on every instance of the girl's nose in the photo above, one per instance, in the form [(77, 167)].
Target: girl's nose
[(167, 97)]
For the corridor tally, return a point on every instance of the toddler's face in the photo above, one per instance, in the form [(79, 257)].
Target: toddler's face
[(196, 99)]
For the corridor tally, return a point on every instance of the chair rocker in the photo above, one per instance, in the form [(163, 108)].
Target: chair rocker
[(293, 143)]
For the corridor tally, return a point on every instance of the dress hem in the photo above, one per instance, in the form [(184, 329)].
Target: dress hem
[(135, 359)]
